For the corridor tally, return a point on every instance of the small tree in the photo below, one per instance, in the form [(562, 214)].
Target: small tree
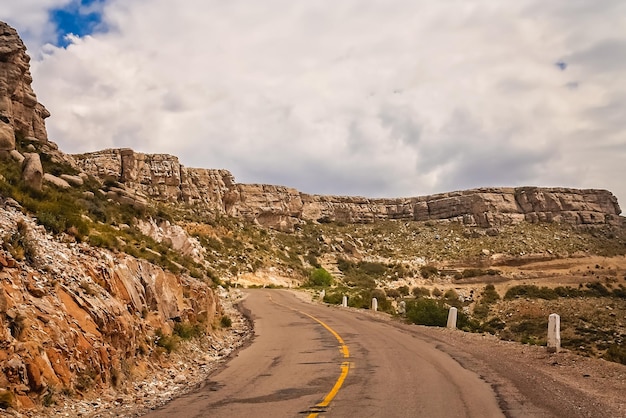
[(320, 277)]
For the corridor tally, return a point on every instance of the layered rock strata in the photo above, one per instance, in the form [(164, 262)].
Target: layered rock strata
[(163, 178), (20, 112)]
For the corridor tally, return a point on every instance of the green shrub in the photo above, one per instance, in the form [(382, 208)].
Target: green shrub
[(333, 298), (428, 312), (530, 291), (320, 277), (489, 295), (474, 272)]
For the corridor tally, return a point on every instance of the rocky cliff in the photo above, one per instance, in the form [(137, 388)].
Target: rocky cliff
[(20, 112), (163, 178), (75, 318)]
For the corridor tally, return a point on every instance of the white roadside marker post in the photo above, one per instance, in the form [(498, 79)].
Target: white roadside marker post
[(344, 301), (374, 304), (554, 333), (452, 318)]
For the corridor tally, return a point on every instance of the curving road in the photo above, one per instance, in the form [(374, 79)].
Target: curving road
[(309, 360)]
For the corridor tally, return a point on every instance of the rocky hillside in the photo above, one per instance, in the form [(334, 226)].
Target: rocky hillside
[(163, 178), (73, 317)]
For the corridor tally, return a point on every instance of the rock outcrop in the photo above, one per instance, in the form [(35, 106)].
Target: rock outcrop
[(20, 112), (163, 178), (74, 318), (32, 171)]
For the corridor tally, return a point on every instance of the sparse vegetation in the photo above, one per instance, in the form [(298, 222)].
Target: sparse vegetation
[(428, 272), (20, 244), (187, 331), (226, 322), (167, 342), (7, 399)]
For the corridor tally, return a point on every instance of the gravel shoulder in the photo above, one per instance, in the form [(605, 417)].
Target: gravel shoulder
[(529, 381)]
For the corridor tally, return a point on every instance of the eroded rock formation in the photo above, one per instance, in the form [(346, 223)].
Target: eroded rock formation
[(75, 318), (161, 177), (20, 112)]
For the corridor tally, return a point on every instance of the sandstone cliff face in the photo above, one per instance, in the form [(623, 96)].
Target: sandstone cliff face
[(161, 177), (19, 110), (76, 318)]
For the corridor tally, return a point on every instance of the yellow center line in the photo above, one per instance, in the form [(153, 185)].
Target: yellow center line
[(345, 365)]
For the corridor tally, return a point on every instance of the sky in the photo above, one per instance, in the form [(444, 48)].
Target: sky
[(376, 98)]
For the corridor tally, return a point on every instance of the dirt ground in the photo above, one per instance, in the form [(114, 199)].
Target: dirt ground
[(562, 384)]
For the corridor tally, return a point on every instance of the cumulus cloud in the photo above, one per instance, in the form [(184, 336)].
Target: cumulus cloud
[(367, 97)]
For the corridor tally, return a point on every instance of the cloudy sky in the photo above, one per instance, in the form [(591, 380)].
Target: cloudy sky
[(381, 98)]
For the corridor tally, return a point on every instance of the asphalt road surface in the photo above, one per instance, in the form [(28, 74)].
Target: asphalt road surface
[(309, 360)]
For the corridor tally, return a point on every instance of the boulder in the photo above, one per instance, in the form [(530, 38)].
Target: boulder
[(75, 180), (32, 171), (56, 181), (17, 156)]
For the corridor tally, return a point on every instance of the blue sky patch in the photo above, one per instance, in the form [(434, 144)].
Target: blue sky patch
[(80, 18)]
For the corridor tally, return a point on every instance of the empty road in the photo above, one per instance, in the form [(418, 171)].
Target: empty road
[(310, 360)]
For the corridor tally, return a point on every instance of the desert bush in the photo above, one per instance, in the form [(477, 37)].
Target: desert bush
[(474, 272), (404, 290), (226, 322), (597, 289), (451, 294), (530, 291), (393, 293), (187, 331), (487, 298), (334, 298), (420, 292), (616, 353), (428, 312), (312, 260), (489, 294), (428, 271), (85, 379), (168, 342)]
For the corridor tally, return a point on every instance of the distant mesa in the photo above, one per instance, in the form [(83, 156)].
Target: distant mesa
[(161, 177)]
